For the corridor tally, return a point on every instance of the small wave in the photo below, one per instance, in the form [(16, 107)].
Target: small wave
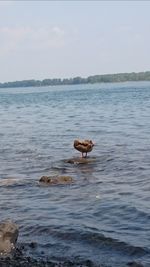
[(115, 244), (97, 240)]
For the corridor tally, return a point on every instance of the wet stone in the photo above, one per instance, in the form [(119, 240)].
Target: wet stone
[(56, 180), (80, 160), (8, 236), (135, 264), (33, 245)]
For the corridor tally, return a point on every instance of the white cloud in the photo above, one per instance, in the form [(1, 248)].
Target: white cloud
[(27, 38)]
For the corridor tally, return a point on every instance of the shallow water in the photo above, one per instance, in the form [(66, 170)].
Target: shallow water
[(104, 215)]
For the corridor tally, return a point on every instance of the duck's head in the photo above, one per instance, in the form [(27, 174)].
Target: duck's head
[(92, 143)]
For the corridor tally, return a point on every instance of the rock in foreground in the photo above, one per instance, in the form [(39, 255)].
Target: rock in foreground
[(8, 236), (56, 180)]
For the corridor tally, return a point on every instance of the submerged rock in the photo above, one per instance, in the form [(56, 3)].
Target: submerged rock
[(9, 182), (8, 236), (135, 264), (56, 180), (80, 160)]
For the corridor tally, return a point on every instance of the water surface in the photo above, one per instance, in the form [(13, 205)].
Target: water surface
[(104, 216)]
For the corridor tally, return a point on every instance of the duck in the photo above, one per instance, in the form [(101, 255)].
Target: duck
[(84, 146)]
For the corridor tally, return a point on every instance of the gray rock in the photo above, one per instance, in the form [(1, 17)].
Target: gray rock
[(8, 236), (80, 160)]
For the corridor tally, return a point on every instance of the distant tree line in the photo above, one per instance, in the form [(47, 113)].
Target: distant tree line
[(105, 78)]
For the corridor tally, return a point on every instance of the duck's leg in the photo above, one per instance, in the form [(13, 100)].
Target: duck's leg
[(83, 155)]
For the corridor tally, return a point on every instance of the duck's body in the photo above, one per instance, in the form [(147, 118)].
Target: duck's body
[(84, 146)]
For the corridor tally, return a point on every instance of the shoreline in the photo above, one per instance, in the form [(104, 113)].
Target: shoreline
[(100, 78), (18, 259)]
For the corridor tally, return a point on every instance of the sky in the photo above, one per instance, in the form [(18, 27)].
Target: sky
[(64, 39)]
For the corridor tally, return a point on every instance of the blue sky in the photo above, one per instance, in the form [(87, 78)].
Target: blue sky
[(49, 39)]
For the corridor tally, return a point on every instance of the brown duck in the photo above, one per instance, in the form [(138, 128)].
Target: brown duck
[(84, 146)]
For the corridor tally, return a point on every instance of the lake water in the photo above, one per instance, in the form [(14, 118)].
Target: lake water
[(104, 215)]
